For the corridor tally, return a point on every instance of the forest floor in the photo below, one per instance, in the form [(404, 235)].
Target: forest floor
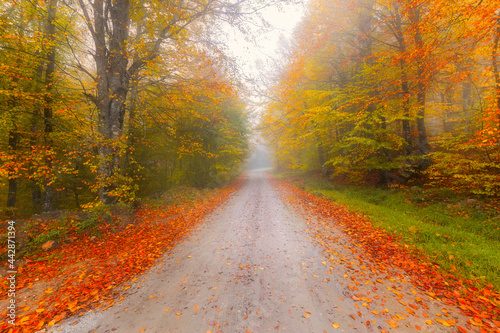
[(274, 258)]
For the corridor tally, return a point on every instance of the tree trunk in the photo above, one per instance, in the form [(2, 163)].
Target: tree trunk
[(467, 104), (14, 137), (48, 192), (36, 192), (405, 123), (12, 194), (132, 128), (112, 88), (422, 142)]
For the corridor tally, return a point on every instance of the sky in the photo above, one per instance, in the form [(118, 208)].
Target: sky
[(255, 56)]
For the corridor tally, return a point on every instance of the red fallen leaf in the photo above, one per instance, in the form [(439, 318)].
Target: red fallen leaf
[(444, 322), (54, 320), (413, 306), (475, 323), (418, 328), (462, 330), (352, 316)]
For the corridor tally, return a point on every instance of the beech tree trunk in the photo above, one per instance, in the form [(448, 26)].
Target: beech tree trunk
[(132, 127), (48, 190), (12, 194), (422, 142), (405, 88), (110, 32)]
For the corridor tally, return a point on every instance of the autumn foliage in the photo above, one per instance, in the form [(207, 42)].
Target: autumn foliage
[(89, 116), (388, 90)]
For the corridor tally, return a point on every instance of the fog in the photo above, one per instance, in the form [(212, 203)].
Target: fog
[(259, 159)]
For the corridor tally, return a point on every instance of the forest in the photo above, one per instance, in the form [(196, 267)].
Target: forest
[(105, 102), (126, 126), (385, 92)]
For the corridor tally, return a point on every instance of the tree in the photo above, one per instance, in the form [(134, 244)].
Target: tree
[(367, 78), (110, 28)]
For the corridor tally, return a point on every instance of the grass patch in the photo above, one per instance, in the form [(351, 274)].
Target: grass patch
[(461, 235)]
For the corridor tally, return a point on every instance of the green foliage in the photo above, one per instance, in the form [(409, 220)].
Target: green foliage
[(35, 244), (96, 216), (38, 233)]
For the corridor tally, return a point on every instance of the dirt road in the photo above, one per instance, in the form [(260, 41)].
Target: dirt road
[(253, 267)]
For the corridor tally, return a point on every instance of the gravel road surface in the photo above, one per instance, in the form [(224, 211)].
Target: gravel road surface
[(253, 266)]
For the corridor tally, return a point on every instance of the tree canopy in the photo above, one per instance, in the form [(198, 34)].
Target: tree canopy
[(102, 101), (384, 91)]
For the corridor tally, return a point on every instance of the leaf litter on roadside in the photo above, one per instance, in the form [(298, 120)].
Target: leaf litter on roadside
[(88, 272), (481, 306)]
